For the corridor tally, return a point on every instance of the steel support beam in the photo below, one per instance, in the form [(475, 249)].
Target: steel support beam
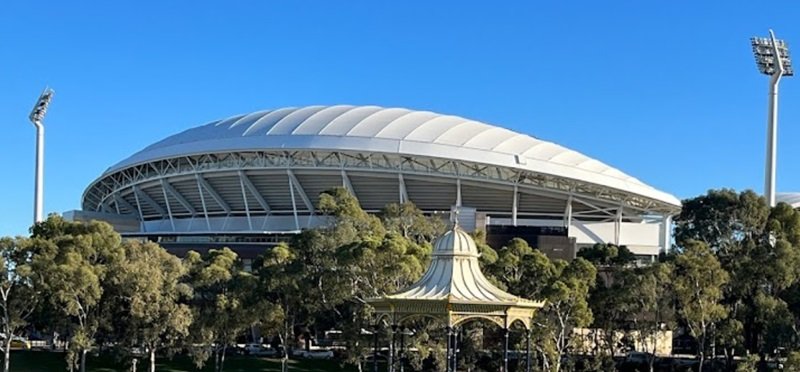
[(203, 203), (253, 191), (514, 206), (169, 209), (568, 213), (618, 226), (402, 187), (147, 199), (458, 192), (120, 201), (214, 195), (246, 205), (666, 233), (347, 184), (183, 202), (139, 209), (105, 207), (294, 203), (350, 161), (300, 191)]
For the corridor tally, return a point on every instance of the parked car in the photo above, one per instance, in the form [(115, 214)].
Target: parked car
[(260, 350), (683, 363), (18, 343), (638, 358), (314, 354)]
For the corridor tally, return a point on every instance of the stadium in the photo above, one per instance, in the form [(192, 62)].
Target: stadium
[(253, 180)]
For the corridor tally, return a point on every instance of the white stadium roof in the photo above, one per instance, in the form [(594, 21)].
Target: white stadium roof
[(791, 198), (395, 131)]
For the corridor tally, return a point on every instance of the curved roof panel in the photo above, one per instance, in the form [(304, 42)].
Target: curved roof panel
[(791, 198), (390, 130)]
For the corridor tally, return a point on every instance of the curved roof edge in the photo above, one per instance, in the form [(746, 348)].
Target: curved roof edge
[(791, 198), (390, 130)]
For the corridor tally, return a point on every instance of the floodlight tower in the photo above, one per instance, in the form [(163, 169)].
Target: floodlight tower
[(37, 118), (772, 58)]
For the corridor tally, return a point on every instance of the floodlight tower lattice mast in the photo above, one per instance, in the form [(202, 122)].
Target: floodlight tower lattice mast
[(37, 119), (772, 59)]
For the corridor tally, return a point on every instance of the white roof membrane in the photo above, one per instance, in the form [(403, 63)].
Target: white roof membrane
[(390, 130)]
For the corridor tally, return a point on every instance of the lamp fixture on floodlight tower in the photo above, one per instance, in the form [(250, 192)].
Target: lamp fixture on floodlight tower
[(37, 118), (772, 58)]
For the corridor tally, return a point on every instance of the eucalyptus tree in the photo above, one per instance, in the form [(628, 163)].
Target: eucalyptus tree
[(225, 303), (364, 257), (281, 275), (564, 286), (509, 267), (612, 299), (149, 298), (566, 306), (759, 247), (409, 221), (323, 276), (698, 280), (70, 262), (19, 294), (488, 254), (651, 306)]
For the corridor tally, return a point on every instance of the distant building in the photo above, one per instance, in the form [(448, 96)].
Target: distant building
[(253, 180)]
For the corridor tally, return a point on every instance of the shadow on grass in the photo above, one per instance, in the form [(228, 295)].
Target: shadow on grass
[(41, 361)]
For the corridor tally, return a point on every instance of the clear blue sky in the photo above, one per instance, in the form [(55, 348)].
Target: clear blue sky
[(664, 91)]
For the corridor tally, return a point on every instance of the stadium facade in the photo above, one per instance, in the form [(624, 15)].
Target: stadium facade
[(253, 180)]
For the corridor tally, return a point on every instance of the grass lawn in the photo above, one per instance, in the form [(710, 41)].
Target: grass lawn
[(45, 361)]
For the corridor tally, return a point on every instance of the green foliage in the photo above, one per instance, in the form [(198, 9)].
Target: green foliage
[(792, 362), (70, 262), (225, 303), (523, 270), (351, 223), (19, 295), (429, 341), (607, 255), (322, 278), (722, 219), (750, 364), (612, 302), (149, 295), (651, 310), (53, 362), (408, 221), (698, 288), (735, 276), (759, 247), (566, 307), (488, 254), (564, 286)]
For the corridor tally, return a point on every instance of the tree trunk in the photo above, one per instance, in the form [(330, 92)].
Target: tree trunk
[(7, 353), (286, 334), (153, 360), (133, 364), (652, 358), (222, 357), (701, 352), (83, 360), (729, 355)]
